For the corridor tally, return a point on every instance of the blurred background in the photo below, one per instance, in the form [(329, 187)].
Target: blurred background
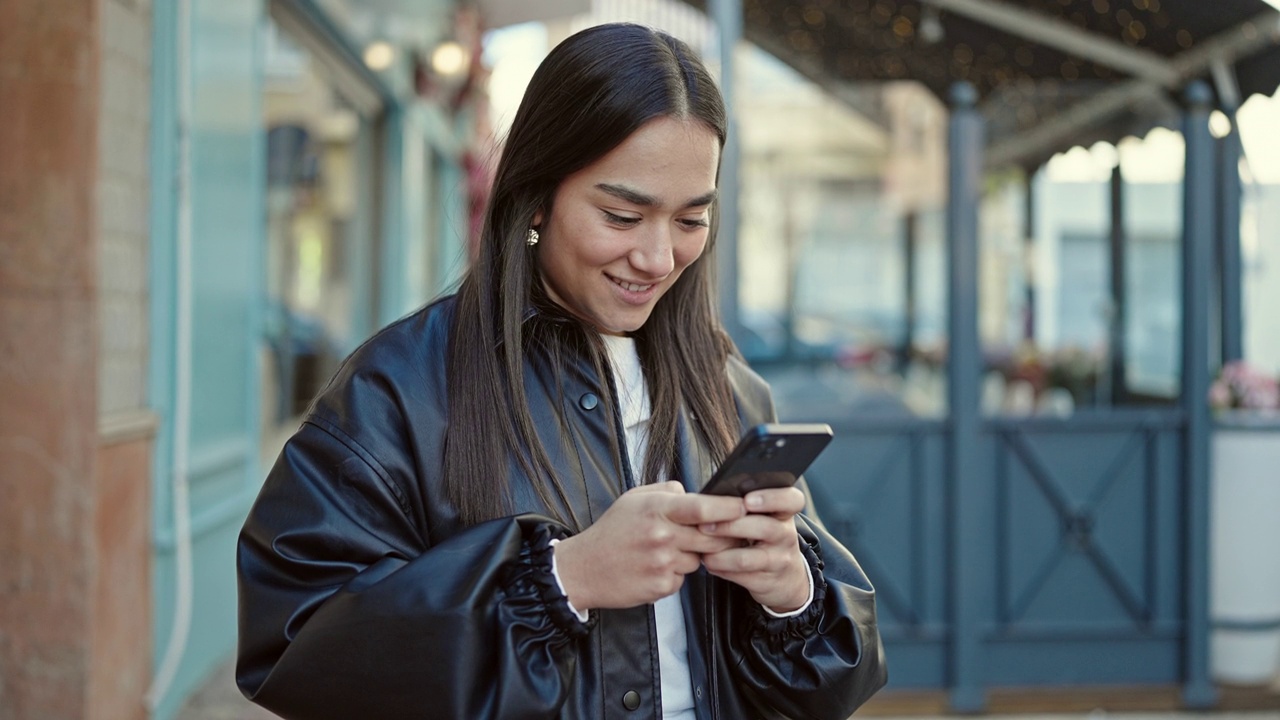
[(1023, 255)]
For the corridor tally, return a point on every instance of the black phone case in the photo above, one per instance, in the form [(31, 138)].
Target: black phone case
[(769, 456)]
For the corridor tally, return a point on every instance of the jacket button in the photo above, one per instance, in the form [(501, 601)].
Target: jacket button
[(697, 693), (631, 700), (589, 401)]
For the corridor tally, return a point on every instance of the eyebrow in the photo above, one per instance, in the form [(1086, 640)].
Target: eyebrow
[(635, 197)]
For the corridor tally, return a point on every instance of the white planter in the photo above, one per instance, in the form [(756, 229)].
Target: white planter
[(1244, 549)]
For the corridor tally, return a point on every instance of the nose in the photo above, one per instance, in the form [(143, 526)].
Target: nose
[(654, 255)]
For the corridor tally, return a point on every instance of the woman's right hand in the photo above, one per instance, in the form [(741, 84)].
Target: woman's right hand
[(642, 547)]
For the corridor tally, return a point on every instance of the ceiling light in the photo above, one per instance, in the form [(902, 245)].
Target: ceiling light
[(379, 55), (1219, 124), (931, 25), (449, 59)]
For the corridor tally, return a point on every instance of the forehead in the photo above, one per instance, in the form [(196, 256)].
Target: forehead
[(665, 156)]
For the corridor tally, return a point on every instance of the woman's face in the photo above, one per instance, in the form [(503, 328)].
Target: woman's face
[(623, 229)]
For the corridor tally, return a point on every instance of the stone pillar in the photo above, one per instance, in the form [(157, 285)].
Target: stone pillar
[(74, 489), (48, 353)]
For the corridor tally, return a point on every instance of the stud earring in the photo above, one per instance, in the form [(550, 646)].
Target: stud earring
[(532, 238)]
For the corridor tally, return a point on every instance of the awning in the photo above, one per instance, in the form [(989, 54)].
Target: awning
[(1050, 73), (500, 13)]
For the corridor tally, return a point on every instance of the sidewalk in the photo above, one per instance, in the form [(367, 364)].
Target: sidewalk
[(219, 699)]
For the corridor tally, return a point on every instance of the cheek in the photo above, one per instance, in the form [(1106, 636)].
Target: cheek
[(584, 243), (687, 252), (558, 267)]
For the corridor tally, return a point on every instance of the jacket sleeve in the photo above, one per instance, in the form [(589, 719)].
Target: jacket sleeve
[(826, 661), (346, 612)]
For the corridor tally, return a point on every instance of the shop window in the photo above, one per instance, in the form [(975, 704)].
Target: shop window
[(320, 232)]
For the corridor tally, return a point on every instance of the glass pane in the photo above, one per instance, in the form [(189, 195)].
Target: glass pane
[(1260, 230), (1153, 321), (1260, 244), (1045, 289), (1048, 311), (842, 244), (318, 220), (1152, 169)]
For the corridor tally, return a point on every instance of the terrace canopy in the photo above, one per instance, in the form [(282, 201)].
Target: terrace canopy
[(1049, 73), (1011, 579)]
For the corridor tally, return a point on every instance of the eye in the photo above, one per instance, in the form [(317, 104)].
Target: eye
[(694, 223), (619, 219)]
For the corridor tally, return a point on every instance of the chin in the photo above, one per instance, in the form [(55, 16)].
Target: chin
[(623, 327), (620, 330)]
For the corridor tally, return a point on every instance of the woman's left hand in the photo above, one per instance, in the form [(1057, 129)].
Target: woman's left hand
[(768, 563)]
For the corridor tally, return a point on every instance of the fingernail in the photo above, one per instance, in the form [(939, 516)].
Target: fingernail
[(754, 501)]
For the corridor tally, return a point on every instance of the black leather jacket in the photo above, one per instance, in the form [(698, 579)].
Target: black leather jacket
[(363, 596)]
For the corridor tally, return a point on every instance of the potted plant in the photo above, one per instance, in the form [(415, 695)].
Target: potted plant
[(1245, 526)]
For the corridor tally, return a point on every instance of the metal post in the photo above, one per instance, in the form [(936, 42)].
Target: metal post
[(1029, 259), (727, 15), (1197, 260), (910, 232), (389, 283), (964, 380), (1231, 276), (791, 271), (1119, 298)]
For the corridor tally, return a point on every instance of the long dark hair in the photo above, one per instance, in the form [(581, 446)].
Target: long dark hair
[(591, 92)]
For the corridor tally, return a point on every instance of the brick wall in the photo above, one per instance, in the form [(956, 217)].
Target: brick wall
[(123, 185)]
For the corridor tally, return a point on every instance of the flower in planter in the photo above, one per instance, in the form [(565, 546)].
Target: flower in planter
[(1242, 387)]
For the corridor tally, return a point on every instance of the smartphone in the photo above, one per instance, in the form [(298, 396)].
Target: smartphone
[(769, 456)]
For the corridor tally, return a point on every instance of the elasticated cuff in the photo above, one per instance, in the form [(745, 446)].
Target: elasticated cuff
[(541, 556), (777, 630)]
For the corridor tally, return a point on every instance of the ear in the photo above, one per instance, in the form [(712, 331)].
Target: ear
[(537, 219)]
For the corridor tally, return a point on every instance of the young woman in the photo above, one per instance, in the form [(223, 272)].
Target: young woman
[(491, 512)]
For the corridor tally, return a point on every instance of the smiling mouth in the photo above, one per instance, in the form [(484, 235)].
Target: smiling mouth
[(630, 286)]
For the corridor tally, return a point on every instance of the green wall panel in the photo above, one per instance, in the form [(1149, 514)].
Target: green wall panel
[(227, 242), (411, 215)]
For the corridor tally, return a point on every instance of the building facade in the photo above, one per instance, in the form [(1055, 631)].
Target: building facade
[(180, 181), (206, 204)]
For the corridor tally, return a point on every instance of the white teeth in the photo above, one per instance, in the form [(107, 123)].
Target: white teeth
[(632, 287)]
